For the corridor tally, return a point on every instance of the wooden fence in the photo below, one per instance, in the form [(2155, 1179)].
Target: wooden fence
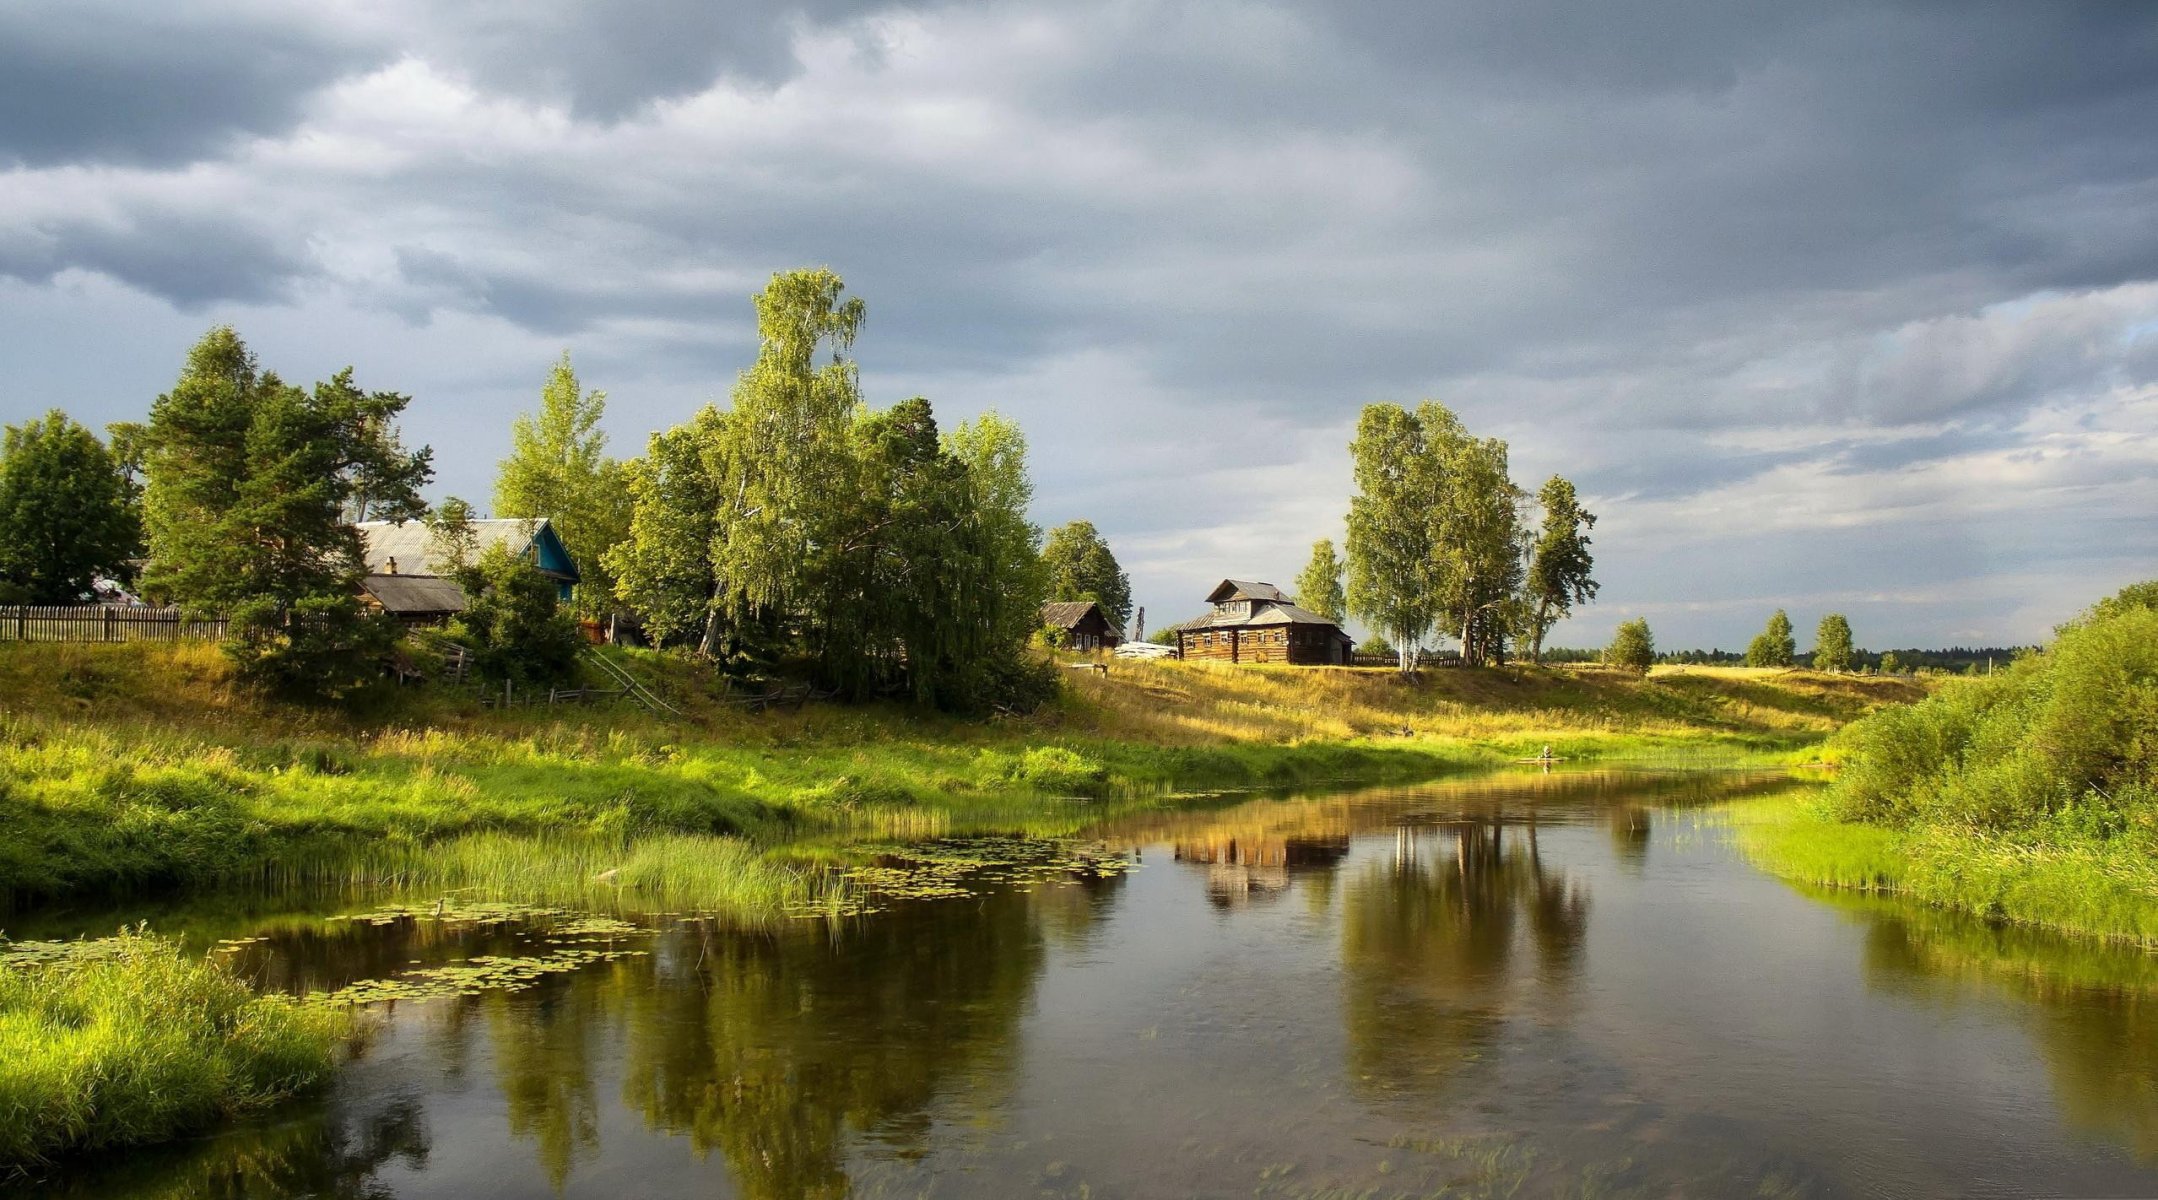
[(100, 623), (1424, 658)]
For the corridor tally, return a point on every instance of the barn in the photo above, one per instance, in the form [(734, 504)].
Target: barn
[(1083, 624), (406, 579), (1256, 623)]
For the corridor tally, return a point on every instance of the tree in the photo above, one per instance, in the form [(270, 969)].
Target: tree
[(1080, 566), (452, 541), (1559, 563), (664, 570), (1890, 665), (514, 623), (1476, 566), (1832, 644), (66, 512), (1391, 546), (248, 480), (383, 479), (1633, 647), (1319, 588), (787, 453), (558, 469), (1773, 646)]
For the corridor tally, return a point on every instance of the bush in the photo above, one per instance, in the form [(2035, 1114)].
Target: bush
[(2074, 726), (321, 649), (1632, 647), (515, 624), (125, 1042)]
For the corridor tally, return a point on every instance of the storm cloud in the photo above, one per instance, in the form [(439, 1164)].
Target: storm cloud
[(1851, 300)]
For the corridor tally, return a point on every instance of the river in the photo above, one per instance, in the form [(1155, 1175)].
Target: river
[(1530, 984)]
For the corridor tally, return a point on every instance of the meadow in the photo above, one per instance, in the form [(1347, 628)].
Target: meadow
[(140, 767)]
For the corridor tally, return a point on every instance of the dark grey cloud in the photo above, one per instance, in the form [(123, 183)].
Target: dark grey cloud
[(109, 81)]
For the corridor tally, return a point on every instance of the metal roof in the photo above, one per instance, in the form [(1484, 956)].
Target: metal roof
[(411, 542), (1269, 614), (409, 594), (1244, 589)]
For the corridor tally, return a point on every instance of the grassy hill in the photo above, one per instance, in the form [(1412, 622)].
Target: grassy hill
[(147, 765)]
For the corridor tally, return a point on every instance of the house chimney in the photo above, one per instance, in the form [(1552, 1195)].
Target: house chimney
[(392, 565)]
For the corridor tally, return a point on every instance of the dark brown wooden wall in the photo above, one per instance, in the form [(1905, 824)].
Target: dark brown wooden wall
[(1273, 644)]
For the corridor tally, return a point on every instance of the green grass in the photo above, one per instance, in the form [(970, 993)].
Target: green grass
[(2055, 879), (146, 767), (129, 1042), (2029, 796)]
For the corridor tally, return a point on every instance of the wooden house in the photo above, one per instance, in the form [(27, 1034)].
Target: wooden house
[(1256, 623), (1084, 625), (406, 579)]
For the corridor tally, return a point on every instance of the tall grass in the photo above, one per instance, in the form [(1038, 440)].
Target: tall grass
[(136, 1044)]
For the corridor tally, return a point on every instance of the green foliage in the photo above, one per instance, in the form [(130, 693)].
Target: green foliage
[(250, 483), (514, 623), (1377, 644), (2074, 729), (665, 570), (1559, 562), (66, 512), (1319, 587), (319, 648), (1633, 646), (1435, 535), (558, 469), (1890, 664), (1081, 567), (1773, 646), (124, 1042), (1832, 644), (452, 542), (800, 525)]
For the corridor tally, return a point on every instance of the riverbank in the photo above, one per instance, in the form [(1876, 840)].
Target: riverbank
[(142, 767), (2027, 796)]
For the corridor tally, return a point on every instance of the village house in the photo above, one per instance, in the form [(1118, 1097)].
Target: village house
[(408, 581), (1083, 624), (1256, 623)]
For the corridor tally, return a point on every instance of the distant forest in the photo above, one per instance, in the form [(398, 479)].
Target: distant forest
[(1957, 660)]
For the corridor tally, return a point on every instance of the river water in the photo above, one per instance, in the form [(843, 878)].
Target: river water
[(1523, 985)]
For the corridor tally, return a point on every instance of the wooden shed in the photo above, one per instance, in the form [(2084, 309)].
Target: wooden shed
[(1256, 623), (1083, 623)]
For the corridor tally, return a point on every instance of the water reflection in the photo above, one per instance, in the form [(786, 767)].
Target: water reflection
[(1539, 982), (1438, 940)]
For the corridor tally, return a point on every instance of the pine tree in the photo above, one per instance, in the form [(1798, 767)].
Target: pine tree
[(1559, 563)]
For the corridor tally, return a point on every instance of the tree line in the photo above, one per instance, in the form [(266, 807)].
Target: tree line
[(796, 528)]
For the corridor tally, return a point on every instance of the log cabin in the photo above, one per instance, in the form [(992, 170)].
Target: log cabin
[(407, 579), (1256, 623), (1082, 623)]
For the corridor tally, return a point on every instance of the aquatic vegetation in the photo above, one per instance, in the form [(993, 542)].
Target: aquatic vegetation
[(123, 1041), (951, 868)]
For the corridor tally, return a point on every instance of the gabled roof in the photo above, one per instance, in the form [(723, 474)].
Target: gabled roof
[(1066, 614), (415, 594), (411, 544), (1244, 589), (1269, 614)]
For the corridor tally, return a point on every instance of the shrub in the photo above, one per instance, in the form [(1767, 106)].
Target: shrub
[(1633, 646)]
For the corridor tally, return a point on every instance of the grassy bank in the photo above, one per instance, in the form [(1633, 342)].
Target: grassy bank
[(2030, 796), (125, 1042), (146, 766)]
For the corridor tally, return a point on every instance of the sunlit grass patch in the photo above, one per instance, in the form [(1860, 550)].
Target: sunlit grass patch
[(125, 1041)]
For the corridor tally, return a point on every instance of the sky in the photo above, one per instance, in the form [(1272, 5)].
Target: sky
[(1832, 306)]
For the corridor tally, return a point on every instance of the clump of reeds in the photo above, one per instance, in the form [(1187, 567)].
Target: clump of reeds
[(126, 1041)]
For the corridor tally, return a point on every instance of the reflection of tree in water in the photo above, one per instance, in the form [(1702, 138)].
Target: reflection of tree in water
[(1435, 939), (332, 1154), (1631, 827), (773, 1050), (2092, 1006), (542, 1042)]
